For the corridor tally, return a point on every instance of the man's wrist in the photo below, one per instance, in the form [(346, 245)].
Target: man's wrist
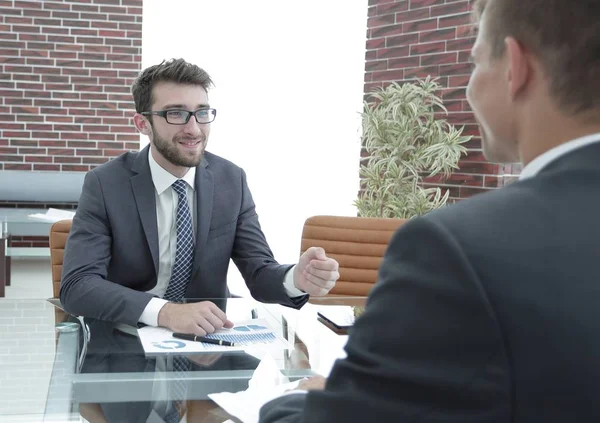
[(164, 316), (151, 312), (289, 284)]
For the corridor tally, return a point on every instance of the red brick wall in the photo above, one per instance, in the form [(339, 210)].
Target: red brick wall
[(407, 39), (66, 67)]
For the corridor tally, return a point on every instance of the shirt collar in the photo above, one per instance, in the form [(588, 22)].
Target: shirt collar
[(541, 161), (163, 179)]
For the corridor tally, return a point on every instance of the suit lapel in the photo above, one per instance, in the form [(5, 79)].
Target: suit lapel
[(144, 193), (205, 186)]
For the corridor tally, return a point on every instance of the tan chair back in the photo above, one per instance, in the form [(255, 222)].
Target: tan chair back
[(357, 243), (59, 232)]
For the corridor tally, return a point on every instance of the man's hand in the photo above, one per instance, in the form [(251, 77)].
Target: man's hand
[(316, 273), (312, 384), (195, 318)]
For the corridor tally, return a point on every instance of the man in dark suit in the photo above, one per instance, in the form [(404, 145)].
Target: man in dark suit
[(489, 310), (161, 225)]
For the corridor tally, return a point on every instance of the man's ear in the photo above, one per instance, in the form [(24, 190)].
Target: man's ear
[(519, 68), (142, 124)]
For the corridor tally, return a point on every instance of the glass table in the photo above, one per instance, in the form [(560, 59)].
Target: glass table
[(60, 368), (18, 222)]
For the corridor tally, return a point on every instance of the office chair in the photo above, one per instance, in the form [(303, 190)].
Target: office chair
[(357, 243)]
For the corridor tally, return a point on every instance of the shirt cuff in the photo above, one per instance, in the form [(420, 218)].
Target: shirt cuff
[(288, 284), (150, 314)]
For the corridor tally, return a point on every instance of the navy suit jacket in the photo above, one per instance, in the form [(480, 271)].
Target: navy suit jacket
[(487, 311), (112, 255)]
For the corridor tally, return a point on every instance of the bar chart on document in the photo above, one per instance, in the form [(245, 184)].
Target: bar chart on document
[(246, 335)]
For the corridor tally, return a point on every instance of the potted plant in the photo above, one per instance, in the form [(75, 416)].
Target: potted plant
[(406, 141)]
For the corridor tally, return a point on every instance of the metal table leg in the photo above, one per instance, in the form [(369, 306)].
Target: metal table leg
[(3, 242), (7, 261)]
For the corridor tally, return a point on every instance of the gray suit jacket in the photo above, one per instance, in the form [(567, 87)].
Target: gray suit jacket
[(111, 255), (485, 312)]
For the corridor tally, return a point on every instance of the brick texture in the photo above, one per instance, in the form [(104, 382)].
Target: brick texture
[(29, 241), (408, 39), (66, 67)]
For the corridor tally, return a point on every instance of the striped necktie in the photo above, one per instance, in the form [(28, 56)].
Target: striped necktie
[(180, 277), (184, 254)]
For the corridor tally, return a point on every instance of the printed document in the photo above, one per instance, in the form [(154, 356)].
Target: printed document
[(246, 335)]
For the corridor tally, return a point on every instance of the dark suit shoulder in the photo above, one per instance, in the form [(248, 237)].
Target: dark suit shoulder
[(502, 212), (528, 225), (218, 163), (124, 162), (547, 197), (225, 172)]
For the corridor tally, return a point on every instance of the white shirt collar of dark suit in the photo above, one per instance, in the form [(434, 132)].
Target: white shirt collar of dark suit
[(541, 161), (163, 179)]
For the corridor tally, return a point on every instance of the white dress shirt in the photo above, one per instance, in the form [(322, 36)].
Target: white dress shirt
[(544, 159), (166, 210)]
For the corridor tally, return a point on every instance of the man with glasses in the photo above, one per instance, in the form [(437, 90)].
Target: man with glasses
[(161, 225)]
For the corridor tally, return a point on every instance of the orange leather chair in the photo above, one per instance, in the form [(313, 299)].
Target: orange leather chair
[(357, 243), (59, 232)]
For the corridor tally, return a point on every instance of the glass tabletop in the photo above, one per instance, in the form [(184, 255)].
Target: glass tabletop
[(20, 215), (18, 221), (58, 367)]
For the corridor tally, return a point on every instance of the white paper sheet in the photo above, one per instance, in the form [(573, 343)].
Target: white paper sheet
[(53, 215), (247, 335), (266, 384)]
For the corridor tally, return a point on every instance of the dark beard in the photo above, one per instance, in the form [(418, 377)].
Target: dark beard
[(170, 152)]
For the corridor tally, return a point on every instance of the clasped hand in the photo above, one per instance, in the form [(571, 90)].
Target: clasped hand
[(316, 273)]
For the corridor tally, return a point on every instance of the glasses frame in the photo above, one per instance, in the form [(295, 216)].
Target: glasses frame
[(163, 114)]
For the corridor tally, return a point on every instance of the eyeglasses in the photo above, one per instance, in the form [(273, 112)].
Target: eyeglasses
[(181, 117)]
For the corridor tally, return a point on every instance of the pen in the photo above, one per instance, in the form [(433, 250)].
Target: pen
[(189, 337)]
